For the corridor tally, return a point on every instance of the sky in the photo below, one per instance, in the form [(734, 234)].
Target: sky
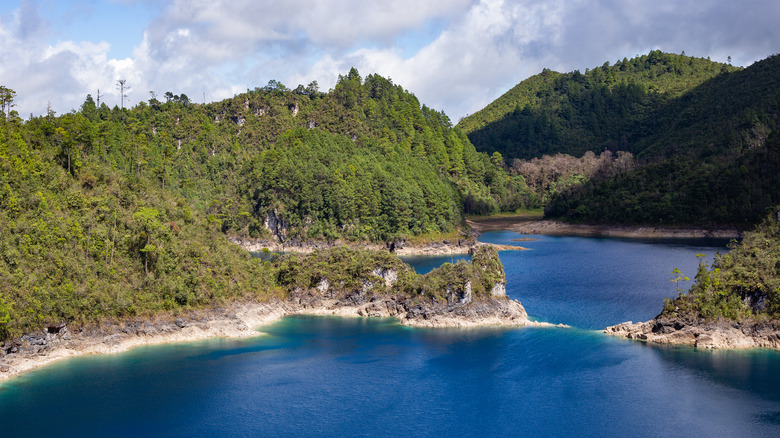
[(454, 55)]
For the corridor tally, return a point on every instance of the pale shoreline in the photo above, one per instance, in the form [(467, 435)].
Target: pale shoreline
[(463, 246), (551, 227), (240, 320)]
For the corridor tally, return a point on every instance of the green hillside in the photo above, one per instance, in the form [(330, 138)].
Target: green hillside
[(116, 213), (713, 158), (608, 107), (702, 138), (296, 156), (743, 284), (97, 243), (697, 143)]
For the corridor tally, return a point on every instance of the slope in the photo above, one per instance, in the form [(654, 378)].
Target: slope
[(712, 158), (608, 107), (364, 161)]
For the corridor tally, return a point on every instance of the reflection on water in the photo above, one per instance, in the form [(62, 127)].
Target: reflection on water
[(423, 264), (754, 371)]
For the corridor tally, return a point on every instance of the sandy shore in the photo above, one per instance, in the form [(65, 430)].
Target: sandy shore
[(560, 228), (239, 320)]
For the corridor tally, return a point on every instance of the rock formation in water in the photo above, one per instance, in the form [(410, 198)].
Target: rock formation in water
[(701, 334), (464, 294)]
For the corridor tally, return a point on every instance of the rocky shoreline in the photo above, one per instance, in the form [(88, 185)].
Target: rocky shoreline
[(722, 334), (461, 295), (397, 247), (240, 320), (552, 227)]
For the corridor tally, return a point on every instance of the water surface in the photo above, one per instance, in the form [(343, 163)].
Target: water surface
[(327, 376)]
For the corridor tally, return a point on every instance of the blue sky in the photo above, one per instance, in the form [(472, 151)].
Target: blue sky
[(455, 55)]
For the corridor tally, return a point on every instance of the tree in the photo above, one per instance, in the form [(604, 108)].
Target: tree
[(153, 102), (65, 141), (6, 100), (88, 108), (147, 216), (497, 159), (274, 85), (677, 279), (123, 87)]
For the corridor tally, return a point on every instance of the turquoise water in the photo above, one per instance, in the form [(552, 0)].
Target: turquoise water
[(323, 376)]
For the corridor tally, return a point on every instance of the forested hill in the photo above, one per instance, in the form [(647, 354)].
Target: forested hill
[(708, 156), (612, 107), (364, 161), (713, 158), (115, 213)]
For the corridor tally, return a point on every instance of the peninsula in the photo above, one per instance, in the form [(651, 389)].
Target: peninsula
[(339, 281)]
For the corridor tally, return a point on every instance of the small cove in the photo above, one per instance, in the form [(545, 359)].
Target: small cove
[(324, 376)]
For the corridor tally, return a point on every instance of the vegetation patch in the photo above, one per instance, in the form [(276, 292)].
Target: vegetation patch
[(743, 284)]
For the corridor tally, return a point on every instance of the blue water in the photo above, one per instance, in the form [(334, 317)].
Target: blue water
[(324, 376), (423, 264)]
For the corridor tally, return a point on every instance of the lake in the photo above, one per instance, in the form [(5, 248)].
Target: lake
[(328, 376)]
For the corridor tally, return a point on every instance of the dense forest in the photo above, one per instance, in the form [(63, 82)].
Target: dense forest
[(702, 136), (82, 241), (123, 212), (610, 107)]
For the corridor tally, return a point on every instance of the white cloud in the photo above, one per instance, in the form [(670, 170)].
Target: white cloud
[(464, 53)]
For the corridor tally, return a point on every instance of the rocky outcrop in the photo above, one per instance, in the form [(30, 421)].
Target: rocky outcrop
[(701, 334), (389, 276), (457, 311), (274, 223), (498, 290)]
